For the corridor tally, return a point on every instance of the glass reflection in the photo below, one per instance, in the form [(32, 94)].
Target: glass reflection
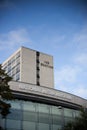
[(27, 115)]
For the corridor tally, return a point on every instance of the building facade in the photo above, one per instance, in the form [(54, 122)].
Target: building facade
[(37, 106), (30, 66)]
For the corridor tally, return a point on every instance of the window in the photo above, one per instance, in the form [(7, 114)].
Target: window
[(18, 55), (15, 114), (43, 126), (9, 62), (2, 121), (43, 108), (57, 119), (29, 125), (38, 76), (17, 69), (17, 61), (38, 83), (16, 124), (38, 61), (37, 53), (68, 112), (56, 127), (56, 110), (9, 73), (38, 68), (17, 76), (15, 104), (9, 69), (29, 106), (30, 116), (44, 118)]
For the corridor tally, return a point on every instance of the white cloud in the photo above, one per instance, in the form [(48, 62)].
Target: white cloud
[(67, 79), (81, 91), (14, 38), (67, 74), (78, 90), (81, 60), (57, 38), (71, 76), (81, 36), (80, 39)]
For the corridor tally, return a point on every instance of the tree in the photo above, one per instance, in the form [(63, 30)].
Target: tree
[(80, 123), (5, 92)]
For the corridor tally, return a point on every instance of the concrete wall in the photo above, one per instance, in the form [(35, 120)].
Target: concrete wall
[(46, 71), (28, 66), (48, 93), (29, 70)]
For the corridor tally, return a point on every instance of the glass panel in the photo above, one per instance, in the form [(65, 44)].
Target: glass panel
[(57, 119), (77, 113), (16, 104), (43, 108), (56, 110), (17, 76), (43, 118), (2, 122), (31, 116), (13, 71), (15, 114), (18, 61), (18, 55), (30, 106), (68, 112), (28, 125), (17, 69), (42, 126), (68, 119), (13, 124), (57, 127), (9, 68), (12, 129)]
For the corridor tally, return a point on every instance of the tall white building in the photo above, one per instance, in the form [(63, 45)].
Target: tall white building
[(30, 66)]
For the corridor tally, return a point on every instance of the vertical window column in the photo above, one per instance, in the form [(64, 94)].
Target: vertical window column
[(37, 69)]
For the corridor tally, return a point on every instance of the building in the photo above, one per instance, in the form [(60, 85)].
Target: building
[(30, 66), (39, 107)]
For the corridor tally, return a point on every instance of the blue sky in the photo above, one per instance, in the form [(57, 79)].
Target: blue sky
[(55, 27)]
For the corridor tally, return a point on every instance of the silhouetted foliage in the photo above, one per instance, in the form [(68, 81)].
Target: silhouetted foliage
[(5, 93), (79, 123)]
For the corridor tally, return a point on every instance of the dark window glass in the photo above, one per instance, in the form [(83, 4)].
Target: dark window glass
[(38, 83), (57, 119), (38, 61), (44, 118), (56, 110), (37, 53), (15, 124), (67, 119), (68, 112), (56, 127), (29, 106), (30, 116), (43, 126), (29, 125), (38, 76), (43, 108), (15, 114), (38, 68)]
